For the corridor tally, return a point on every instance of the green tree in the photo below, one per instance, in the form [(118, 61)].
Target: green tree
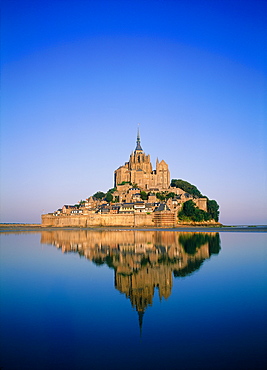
[(99, 195), (165, 195), (144, 195), (170, 195), (109, 197), (111, 190), (187, 187), (189, 208), (161, 196), (212, 206), (193, 213), (213, 209)]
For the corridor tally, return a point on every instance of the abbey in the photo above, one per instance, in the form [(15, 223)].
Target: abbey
[(139, 171), (141, 197)]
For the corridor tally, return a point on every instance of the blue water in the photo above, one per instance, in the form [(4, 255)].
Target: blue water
[(133, 300)]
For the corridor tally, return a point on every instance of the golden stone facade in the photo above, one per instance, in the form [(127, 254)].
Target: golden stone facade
[(139, 171)]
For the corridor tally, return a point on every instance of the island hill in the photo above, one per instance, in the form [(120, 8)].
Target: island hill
[(141, 197)]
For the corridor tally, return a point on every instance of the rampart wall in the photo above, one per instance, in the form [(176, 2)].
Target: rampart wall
[(124, 220), (127, 220)]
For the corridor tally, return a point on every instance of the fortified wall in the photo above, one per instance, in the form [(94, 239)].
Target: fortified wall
[(162, 219)]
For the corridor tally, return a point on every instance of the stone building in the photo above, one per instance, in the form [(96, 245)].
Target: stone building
[(139, 171), (142, 197)]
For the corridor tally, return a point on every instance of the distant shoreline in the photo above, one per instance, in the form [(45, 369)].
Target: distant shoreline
[(9, 227)]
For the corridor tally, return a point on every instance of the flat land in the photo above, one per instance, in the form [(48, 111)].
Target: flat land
[(7, 227)]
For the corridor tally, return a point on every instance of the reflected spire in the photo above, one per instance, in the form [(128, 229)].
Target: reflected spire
[(140, 319)]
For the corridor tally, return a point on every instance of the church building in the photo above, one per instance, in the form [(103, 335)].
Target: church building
[(139, 171)]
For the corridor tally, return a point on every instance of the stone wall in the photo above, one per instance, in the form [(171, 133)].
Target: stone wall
[(127, 220), (201, 203), (123, 220)]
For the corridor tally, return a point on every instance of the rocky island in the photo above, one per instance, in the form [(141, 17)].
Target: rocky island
[(141, 197)]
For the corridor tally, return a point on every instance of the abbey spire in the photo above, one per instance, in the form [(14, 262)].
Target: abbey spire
[(138, 142)]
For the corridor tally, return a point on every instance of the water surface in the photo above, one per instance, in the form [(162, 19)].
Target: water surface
[(133, 300)]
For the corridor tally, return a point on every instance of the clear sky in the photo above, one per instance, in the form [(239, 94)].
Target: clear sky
[(78, 76)]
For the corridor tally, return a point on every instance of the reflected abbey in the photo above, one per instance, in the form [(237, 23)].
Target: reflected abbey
[(143, 261)]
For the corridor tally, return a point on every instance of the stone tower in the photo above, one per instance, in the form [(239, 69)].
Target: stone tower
[(139, 171)]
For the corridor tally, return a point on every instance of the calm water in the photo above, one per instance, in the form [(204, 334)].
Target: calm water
[(133, 300)]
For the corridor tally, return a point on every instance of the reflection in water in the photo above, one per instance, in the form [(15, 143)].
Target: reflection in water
[(142, 260)]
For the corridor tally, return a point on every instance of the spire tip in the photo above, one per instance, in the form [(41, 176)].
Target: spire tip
[(138, 141)]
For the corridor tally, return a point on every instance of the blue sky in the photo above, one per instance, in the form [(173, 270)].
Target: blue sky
[(78, 76)]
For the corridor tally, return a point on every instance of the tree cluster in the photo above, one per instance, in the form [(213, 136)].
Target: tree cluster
[(165, 195), (144, 195), (190, 212), (187, 187), (213, 209), (105, 196)]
